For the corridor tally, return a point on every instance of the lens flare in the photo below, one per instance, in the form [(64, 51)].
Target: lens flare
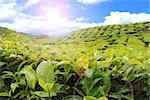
[(53, 13), (53, 10)]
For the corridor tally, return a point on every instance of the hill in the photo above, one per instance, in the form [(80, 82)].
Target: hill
[(100, 63), (137, 34), (13, 35)]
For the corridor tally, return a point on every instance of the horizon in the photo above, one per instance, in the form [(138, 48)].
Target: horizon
[(56, 18)]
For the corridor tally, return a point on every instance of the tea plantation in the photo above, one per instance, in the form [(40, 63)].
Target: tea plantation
[(100, 63)]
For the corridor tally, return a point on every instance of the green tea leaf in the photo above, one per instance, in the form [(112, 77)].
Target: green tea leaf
[(14, 86), (30, 76), (89, 73), (41, 93), (103, 98), (89, 98), (45, 75), (45, 72)]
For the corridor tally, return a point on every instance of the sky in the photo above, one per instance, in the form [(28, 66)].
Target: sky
[(58, 17)]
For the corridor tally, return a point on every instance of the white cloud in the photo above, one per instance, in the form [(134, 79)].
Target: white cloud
[(82, 19), (91, 1), (30, 3), (51, 22), (7, 11), (77, 25), (7, 1), (37, 26), (125, 18)]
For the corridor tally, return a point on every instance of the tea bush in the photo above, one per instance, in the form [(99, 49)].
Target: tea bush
[(93, 70)]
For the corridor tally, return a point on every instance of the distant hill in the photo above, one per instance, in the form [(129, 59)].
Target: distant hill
[(11, 34)]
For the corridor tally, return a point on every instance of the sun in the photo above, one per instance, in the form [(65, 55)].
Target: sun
[(53, 14)]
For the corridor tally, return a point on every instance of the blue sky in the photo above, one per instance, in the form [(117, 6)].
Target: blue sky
[(98, 11), (57, 17)]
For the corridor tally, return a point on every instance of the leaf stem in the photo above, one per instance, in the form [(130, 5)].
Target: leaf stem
[(49, 98), (131, 88)]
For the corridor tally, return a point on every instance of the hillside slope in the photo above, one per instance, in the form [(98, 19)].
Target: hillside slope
[(133, 35), (101, 63), (14, 35)]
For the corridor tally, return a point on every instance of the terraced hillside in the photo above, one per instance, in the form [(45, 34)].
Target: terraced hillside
[(134, 35), (101, 63)]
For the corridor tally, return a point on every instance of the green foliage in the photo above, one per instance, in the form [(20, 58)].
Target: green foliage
[(45, 75), (30, 76), (100, 63)]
